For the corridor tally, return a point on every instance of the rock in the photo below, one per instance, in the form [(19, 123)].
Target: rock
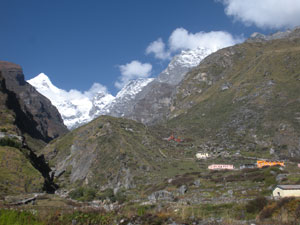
[(161, 195), (182, 189), (225, 86), (197, 183), (280, 177)]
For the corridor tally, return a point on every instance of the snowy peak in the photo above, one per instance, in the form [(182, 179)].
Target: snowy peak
[(75, 107), (181, 64), (43, 83), (192, 58), (133, 87)]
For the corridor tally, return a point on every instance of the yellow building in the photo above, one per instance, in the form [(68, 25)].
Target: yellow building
[(287, 191)]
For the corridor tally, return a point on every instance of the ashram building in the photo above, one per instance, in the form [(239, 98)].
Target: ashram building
[(221, 167), (287, 191)]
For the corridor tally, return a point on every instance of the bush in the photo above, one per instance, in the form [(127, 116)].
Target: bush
[(10, 142), (256, 205), (83, 194), (109, 194), (267, 212), (106, 194)]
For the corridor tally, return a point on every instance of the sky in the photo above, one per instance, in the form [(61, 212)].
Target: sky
[(90, 44)]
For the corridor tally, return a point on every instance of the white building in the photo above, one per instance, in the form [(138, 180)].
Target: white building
[(201, 155), (287, 191), (220, 167)]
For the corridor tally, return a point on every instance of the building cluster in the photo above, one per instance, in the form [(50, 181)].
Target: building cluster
[(259, 164)]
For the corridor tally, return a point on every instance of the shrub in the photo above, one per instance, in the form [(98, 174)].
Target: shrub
[(77, 193), (120, 197), (256, 205), (10, 142), (109, 194), (267, 212), (106, 194), (83, 194)]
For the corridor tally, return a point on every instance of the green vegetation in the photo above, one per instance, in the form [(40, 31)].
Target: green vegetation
[(86, 194), (10, 142), (83, 194), (256, 205), (17, 174), (14, 217)]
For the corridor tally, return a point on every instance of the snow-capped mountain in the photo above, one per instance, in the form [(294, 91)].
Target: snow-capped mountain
[(76, 108), (181, 64), (153, 101), (123, 104), (144, 99)]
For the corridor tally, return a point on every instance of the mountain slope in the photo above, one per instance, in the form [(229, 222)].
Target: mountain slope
[(108, 152), (151, 104), (181, 64), (244, 98), (27, 121)]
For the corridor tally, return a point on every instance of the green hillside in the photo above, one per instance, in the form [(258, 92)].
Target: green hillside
[(243, 98)]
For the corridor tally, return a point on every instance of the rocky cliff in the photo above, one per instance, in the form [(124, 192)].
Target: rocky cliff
[(35, 114)]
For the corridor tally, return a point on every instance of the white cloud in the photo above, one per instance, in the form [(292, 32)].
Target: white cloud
[(131, 71), (158, 48), (265, 13), (96, 87), (181, 39)]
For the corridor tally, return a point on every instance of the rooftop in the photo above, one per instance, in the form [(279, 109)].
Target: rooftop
[(289, 187)]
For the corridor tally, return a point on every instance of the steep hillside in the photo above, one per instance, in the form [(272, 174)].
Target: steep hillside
[(27, 121), (244, 99), (107, 152)]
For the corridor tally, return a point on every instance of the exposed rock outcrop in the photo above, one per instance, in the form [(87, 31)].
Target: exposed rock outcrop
[(34, 113)]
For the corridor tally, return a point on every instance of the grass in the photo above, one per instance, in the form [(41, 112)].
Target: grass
[(17, 174), (14, 217)]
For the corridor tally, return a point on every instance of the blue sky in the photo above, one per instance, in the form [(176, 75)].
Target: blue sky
[(77, 43)]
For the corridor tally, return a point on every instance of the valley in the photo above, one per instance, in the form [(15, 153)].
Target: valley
[(132, 159)]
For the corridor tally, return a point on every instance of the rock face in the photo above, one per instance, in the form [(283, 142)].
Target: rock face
[(289, 34), (35, 114), (161, 195)]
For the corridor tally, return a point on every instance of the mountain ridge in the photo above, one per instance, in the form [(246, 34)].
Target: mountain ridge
[(132, 96)]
